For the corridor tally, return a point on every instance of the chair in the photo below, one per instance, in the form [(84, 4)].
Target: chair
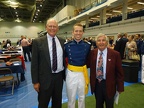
[(14, 60), (2, 61), (6, 77)]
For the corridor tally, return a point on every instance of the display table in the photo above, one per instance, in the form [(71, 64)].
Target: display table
[(16, 67), (131, 69)]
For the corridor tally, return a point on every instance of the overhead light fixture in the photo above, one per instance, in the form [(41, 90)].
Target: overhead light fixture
[(108, 14), (1, 19), (93, 18), (140, 3), (117, 11), (129, 8), (17, 20), (14, 4)]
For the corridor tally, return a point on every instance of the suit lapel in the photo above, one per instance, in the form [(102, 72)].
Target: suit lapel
[(46, 47), (108, 61), (61, 42), (94, 60)]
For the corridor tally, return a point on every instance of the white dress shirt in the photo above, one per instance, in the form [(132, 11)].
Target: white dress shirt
[(59, 53)]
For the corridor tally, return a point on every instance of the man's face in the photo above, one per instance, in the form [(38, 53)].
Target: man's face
[(77, 33), (101, 43), (52, 28), (136, 37)]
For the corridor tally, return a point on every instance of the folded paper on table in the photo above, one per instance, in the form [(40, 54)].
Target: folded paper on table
[(16, 64)]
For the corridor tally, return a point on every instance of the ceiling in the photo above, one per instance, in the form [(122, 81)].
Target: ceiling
[(27, 10), (116, 9), (40, 10)]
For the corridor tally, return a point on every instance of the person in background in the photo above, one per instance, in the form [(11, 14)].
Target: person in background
[(4, 44), (118, 44), (106, 73), (8, 43), (25, 46), (48, 74), (77, 79), (111, 41), (131, 47), (139, 41), (30, 46), (124, 41)]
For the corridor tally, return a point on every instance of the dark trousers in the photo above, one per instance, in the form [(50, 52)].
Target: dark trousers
[(54, 92), (26, 50), (101, 96)]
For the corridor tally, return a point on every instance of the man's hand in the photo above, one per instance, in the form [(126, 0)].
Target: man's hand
[(36, 86)]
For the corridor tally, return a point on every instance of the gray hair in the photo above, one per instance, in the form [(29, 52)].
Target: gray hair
[(101, 34)]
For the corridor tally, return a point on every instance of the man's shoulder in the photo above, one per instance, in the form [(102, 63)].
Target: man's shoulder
[(39, 39)]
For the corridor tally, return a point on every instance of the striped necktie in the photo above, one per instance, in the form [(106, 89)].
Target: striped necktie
[(54, 56), (99, 72)]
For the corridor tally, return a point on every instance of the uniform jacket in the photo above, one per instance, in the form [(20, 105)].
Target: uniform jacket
[(41, 66), (77, 52), (114, 72)]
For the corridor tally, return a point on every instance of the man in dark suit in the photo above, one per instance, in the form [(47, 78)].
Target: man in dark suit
[(46, 78), (118, 45), (124, 41), (112, 77)]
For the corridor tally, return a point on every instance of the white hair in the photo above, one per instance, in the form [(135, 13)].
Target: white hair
[(99, 35)]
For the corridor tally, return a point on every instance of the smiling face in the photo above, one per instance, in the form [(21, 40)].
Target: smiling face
[(77, 32), (52, 27), (101, 42)]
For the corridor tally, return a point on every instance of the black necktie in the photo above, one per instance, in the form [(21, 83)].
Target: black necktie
[(54, 52)]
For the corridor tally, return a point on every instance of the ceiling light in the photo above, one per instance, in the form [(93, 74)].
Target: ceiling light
[(129, 8), (94, 18), (1, 19), (13, 4), (108, 14), (116, 11), (17, 20), (140, 3)]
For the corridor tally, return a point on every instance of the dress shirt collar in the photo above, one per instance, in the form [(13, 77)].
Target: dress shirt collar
[(50, 37), (104, 51), (77, 42)]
